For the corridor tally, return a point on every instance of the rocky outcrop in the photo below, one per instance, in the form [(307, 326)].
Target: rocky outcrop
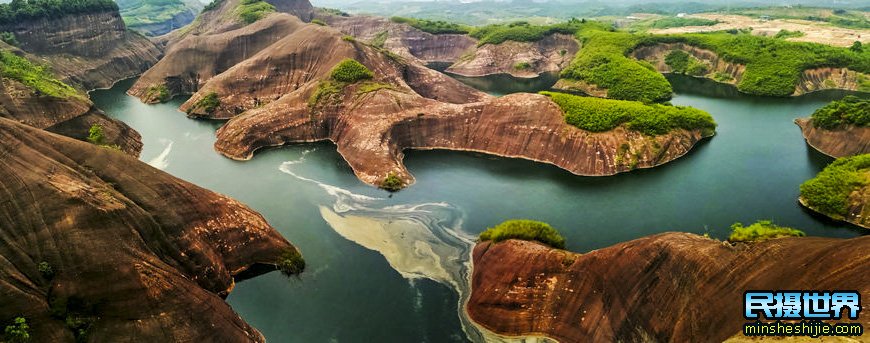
[(412, 107), (673, 287), (519, 59), (811, 80), (841, 142), (403, 39), (86, 50), (728, 72), (72, 116), (210, 46), (135, 254)]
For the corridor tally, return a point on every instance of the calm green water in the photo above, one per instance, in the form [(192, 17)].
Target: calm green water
[(351, 292)]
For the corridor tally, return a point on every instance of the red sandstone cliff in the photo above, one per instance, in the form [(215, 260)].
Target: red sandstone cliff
[(840, 142), (137, 255), (673, 287)]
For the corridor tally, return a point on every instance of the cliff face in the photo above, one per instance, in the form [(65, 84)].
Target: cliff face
[(86, 50), (268, 96), (672, 287), (136, 254), (811, 80), (841, 142), (405, 40), (209, 48), (520, 59), (161, 28), (72, 116)]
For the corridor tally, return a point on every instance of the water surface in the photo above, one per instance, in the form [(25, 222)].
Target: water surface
[(405, 285)]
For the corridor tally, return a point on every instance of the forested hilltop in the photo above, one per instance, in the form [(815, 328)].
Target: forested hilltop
[(18, 10)]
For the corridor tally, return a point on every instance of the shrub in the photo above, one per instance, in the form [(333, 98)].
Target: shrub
[(33, 76), (9, 38), (850, 110), (159, 93), (18, 331), (350, 71), (318, 22), (95, 134), (370, 87), (326, 90), (682, 62), (761, 231), (208, 104), (249, 11), (598, 115), (435, 27), (348, 39), (291, 262), (829, 191), (380, 39), (46, 270), (523, 66), (392, 183), (784, 34), (857, 47), (527, 230)]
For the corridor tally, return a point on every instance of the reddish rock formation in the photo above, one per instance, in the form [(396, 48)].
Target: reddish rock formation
[(672, 287), (416, 108), (547, 55), (137, 254), (72, 116), (847, 141), (87, 51)]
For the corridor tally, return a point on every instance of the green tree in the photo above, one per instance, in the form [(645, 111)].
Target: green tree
[(95, 134), (17, 332), (857, 47)]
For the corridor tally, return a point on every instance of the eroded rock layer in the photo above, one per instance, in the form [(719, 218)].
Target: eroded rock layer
[(520, 59), (841, 142), (135, 254), (673, 287)]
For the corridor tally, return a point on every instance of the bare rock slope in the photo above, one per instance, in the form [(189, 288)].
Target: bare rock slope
[(672, 287), (841, 142), (136, 255)]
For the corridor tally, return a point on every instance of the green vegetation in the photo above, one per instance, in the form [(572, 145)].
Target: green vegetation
[(392, 183), (350, 71), (761, 231), (9, 38), (435, 27), (35, 77), (829, 191), (140, 14), (380, 39), (95, 134), (682, 62), (212, 5), (326, 91), (318, 22), (249, 11), (45, 270), (850, 110), (521, 32), (669, 22), (527, 230), (348, 39), (785, 34), (291, 262), (602, 62), (207, 104), (370, 87), (598, 115), (857, 47), (773, 66), (159, 93), (523, 66), (18, 331), (722, 77), (20, 10), (334, 11)]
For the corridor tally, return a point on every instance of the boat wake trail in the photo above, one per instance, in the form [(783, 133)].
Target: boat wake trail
[(162, 160), (420, 241)]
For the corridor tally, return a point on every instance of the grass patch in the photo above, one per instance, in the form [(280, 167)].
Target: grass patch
[(370, 87), (208, 104), (435, 27), (829, 191), (34, 76), (392, 183), (523, 66), (603, 62), (249, 11), (527, 230), (326, 92), (159, 93), (380, 39), (598, 115), (785, 34), (761, 231), (850, 110), (521, 31), (291, 262), (350, 71)]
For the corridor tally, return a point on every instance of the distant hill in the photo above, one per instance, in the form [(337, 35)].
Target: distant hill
[(157, 17)]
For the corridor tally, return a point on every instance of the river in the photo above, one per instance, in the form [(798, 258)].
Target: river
[(384, 268)]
